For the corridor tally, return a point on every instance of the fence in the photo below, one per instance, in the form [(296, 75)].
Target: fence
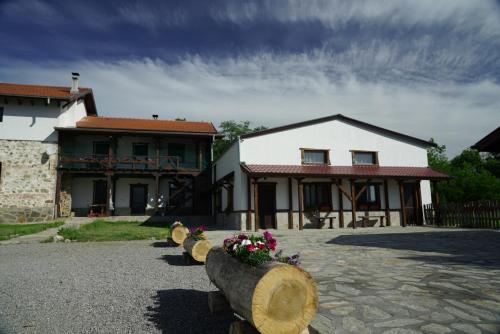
[(478, 214)]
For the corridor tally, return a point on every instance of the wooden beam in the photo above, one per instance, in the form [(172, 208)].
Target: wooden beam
[(353, 204), (301, 204), (418, 202), (402, 203), (345, 192), (290, 204), (249, 204), (256, 204), (386, 200), (436, 203), (109, 197), (157, 191), (341, 206)]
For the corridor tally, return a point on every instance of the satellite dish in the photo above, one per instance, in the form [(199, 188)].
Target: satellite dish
[(51, 149)]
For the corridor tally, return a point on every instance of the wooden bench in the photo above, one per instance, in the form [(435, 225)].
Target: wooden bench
[(322, 219), (366, 219)]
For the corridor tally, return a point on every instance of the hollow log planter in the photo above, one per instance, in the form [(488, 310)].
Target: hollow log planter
[(198, 249), (273, 297), (178, 235)]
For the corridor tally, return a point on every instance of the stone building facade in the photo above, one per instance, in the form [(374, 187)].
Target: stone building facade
[(27, 181)]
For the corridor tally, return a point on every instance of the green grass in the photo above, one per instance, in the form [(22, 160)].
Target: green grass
[(100, 230), (8, 231)]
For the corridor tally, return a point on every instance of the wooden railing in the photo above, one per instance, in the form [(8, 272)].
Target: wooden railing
[(477, 214), (105, 162)]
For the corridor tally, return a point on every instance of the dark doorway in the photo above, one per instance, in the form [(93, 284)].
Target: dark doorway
[(410, 203), (138, 198), (100, 192), (267, 205)]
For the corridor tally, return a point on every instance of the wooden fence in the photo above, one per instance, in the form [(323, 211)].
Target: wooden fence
[(478, 214)]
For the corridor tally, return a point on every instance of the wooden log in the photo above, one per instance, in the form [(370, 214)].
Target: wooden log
[(217, 303), (274, 297), (178, 234), (198, 249)]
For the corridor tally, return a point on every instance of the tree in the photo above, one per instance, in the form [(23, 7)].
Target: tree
[(232, 130)]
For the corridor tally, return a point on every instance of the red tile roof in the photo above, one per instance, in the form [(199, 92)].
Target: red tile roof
[(140, 124), (344, 171), (9, 89)]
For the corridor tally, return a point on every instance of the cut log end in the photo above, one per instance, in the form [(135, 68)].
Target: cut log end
[(200, 250), (286, 299), (179, 234)]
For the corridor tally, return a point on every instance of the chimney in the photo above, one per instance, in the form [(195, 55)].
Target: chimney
[(74, 82), (155, 116)]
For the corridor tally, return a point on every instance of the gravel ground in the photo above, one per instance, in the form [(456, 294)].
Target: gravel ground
[(108, 287)]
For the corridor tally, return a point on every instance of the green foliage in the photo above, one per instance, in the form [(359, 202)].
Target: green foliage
[(101, 230), (474, 177), (8, 231), (232, 130)]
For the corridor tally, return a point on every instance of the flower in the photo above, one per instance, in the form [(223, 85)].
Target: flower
[(242, 237), (267, 235), (272, 244), (260, 245), (246, 242), (250, 248)]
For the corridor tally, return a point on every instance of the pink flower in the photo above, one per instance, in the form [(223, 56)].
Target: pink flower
[(272, 244), (250, 248), (242, 237), (267, 235)]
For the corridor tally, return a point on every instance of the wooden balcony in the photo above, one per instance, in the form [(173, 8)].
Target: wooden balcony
[(101, 162)]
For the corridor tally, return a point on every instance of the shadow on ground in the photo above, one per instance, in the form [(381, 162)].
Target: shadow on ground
[(186, 311), (174, 260), (458, 247), (161, 244)]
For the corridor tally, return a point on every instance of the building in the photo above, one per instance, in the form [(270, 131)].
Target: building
[(301, 175), (490, 143), (59, 158)]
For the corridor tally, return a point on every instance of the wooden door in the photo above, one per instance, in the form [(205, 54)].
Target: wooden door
[(267, 205), (138, 198), (410, 205)]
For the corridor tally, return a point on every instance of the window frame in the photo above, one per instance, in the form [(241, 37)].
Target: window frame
[(326, 156), (325, 207), (137, 155), (365, 205), (374, 154)]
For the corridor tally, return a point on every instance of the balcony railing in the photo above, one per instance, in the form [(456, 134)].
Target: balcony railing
[(137, 163)]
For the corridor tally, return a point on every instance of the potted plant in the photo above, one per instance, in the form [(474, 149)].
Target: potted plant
[(196, 244), (266, 288)]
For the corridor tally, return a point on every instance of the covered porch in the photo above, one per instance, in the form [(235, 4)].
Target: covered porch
[(298, 197)]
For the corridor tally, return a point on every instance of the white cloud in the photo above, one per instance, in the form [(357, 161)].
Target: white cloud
[(272, 90)]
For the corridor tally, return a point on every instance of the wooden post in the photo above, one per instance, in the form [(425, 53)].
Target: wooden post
[(437, 204), (109, 198), (418, 202), (341, 205), (249, 204), (157, 154), (157, 191), (256, 204), (301, 204), (386, 200), (402, 203), (353, 204), (290, 204), (111, 151)]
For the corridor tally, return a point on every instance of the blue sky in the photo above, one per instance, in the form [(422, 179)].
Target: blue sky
[(426, 68)]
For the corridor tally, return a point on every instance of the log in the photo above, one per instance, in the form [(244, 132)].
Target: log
[(274, 297), (217, 303), (198, 249), (178, 234)]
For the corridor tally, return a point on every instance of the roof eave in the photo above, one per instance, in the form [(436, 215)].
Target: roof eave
[(125, 131)]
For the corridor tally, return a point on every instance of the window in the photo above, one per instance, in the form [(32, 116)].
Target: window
[(317, 196), (177, 150), (140, 150), (364, 158), (101, 149), (370, 198), (1, 114), (315, 157)]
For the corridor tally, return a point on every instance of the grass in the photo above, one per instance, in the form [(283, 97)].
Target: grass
[(8, 231), (100, 230)]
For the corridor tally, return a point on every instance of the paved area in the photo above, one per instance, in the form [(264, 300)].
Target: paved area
[(413, 280)]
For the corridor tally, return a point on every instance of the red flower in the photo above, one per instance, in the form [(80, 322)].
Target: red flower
[(250, 248), (272, 243), (261, 245)]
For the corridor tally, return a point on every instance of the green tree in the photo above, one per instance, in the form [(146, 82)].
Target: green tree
[(232, 130)]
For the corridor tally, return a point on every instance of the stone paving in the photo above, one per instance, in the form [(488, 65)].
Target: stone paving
[(401, 280)]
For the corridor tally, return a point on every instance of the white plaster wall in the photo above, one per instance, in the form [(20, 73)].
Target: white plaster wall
[(71, 114), (339, 137), (230, 162), (29, 122), (82, 191), (122, 195)]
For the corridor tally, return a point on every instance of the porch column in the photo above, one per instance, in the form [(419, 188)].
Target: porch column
[(418, 202), (386, 200), (109, 199), (402, 203), (290, 204), (111, 151), (157, 155), (157, 191), (301, 204), (341, 204), (249, 204), (256, 204), (436, 203), (353, 204)]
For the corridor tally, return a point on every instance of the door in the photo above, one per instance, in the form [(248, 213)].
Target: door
[(138, 198), (100, 197), (410, 205), (267, 205)]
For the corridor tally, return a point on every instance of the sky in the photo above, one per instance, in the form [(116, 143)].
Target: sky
[(427, 68)]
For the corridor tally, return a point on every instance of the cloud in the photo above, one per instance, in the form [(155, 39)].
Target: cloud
[(272, 90)]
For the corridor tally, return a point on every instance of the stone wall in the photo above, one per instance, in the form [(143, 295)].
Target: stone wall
[(27, 181)]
